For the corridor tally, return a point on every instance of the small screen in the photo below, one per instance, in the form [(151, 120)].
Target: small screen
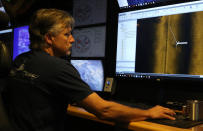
[(89, 12), (161, 42), (21, 40), (89, 42), (91, 71)]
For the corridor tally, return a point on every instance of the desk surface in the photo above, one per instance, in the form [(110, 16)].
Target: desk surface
[(141, 125)]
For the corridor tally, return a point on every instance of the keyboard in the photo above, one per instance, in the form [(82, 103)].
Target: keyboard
[(180, 122)]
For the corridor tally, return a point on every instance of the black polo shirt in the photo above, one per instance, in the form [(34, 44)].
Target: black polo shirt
[(39, 90)]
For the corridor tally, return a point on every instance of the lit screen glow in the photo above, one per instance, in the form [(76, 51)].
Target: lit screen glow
[(91, 71), (21, 40), (162, 41)]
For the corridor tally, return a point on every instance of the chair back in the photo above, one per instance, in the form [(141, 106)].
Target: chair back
[(5, 64), (5, 60)]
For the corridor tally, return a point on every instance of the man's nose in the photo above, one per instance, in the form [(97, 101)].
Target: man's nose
[(72, 39)]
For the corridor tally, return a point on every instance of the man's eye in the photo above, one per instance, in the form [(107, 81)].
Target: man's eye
[(67, 34)]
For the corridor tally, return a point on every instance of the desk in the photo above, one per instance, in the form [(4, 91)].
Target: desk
[(137, 126)]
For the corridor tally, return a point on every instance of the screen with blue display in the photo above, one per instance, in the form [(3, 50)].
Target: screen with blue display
[(6, 36), (21, 40), (139, 3), (91, 72)]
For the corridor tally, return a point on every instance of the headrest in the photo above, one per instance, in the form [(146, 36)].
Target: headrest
[(4, 19), (5, 59)]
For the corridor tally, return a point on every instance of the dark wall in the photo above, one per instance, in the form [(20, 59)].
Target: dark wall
[(20, 11)]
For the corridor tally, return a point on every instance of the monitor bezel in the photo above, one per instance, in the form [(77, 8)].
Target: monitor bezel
[(151, 5)]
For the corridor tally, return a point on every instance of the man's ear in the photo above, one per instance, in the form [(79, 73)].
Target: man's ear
[(48, 39)]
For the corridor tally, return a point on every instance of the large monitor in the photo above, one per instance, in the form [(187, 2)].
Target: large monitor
[(161, 42), (92, 72), (21, 40)]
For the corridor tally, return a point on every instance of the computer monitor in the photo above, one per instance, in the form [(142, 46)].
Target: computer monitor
[(89, 12), (21, 40), (161, 42), (89, 42), (91, 72), (140, 3)]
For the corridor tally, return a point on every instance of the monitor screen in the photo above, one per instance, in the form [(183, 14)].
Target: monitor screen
[(89, 12), (91, 71), (161, 42), (21, 40), (89, 42), (134, 3)]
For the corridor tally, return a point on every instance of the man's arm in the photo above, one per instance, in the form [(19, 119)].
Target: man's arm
[(109, 110)]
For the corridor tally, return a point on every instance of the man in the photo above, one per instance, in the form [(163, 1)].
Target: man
[(42, 85)]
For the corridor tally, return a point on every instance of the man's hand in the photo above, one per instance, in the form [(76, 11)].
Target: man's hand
[(161, 112)]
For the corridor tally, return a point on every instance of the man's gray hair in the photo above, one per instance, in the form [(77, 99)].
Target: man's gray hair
[(47, 21)]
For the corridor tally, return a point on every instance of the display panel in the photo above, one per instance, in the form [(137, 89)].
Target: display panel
[(142, 3), (21, 40), (161, 42), (88, 12), (134, 3), (92, 72), (89, 42)]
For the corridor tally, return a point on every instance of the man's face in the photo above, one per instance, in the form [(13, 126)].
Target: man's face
[(62, 43)]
